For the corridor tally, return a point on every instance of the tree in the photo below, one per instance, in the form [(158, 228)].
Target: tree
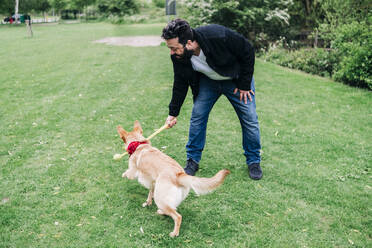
[(7, 6), (346, 11), (118, 7), (58, 5)]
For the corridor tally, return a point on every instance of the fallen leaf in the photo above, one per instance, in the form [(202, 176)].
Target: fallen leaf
[(141, 229), (58, 235)]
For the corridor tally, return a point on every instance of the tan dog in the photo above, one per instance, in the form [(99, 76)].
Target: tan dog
[(169, 185)]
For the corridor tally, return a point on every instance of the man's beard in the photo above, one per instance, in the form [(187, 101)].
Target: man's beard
[(187, 54)]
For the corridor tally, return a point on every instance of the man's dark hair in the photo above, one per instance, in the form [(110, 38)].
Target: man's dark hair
[(178, 28)]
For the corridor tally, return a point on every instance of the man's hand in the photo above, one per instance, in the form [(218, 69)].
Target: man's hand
[(244, 94), (171, 121)]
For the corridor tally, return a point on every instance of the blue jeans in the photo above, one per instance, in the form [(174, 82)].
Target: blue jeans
[(209, 92)]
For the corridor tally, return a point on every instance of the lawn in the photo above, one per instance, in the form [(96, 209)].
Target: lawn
[(62, 96)]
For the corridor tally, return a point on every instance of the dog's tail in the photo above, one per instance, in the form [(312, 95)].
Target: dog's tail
[(202, 185)]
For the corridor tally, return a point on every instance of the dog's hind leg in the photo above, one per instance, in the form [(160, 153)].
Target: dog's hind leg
[(148, 202), (177, 218), (167, 197)]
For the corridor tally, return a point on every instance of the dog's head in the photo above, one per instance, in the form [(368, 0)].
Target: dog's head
[(134, 135)]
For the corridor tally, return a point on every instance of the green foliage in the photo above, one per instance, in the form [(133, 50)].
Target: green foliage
[(127, 19), (353, 45), (58, 4), (159, 3), (6, 7), (346, 31), (118, 7), (40, 5), (315, 61), (305, 14), (251, 18), (146, 15), (338, 12)]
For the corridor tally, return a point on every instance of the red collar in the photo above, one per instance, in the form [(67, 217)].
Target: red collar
[(133, 146)]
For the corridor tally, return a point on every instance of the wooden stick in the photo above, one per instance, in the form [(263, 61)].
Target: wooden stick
[(157, 131)]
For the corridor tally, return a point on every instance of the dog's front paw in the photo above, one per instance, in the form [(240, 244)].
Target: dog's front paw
[(146, 203), (174, 234), (124, 175)]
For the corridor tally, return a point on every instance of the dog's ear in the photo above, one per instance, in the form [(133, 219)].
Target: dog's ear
[(137, 127), (123, 134)]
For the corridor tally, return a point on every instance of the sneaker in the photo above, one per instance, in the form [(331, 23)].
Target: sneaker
[(191, 167), (255, 171)]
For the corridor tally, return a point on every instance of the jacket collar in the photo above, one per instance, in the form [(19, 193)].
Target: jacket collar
[(198, 36)]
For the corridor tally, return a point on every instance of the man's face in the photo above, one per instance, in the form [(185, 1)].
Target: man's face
[(178, 49)]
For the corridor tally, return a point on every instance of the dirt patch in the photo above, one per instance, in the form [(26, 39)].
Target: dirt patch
[(136, 41)]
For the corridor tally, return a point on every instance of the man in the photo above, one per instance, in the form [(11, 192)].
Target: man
[(213, 60)]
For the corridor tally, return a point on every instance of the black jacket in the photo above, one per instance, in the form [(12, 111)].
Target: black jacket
[(227, 52)]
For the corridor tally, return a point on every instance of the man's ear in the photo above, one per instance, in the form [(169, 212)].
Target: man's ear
[(123, 134), (189, 45), (137, 127)]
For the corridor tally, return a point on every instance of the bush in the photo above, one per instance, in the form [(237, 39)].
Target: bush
[(356, 69), (118, 7), (127, 19), (317, 61), (353, 46), (349, 60), (159, 3)]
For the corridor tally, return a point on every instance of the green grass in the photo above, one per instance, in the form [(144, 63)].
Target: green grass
[(62, 96)]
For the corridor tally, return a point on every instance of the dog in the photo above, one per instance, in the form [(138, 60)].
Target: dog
[(166, 180)]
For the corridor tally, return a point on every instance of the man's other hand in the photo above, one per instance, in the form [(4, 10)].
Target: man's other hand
[(171, 121), (244, 94)]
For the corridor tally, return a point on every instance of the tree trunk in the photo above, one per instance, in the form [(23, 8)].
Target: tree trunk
[(16, 10), (308, 8)]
